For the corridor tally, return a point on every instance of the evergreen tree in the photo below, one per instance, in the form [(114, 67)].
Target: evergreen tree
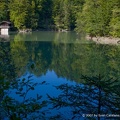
[(65, 13), (25, 13), (76, 7), (36, 6), (95, 17), (45, 15), (4, 11), (87, 19), (60, 14), (115, 20), (103, 16), (33, 14), (19, 12)]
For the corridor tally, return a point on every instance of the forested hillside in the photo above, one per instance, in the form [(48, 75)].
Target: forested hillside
[(95, 17)]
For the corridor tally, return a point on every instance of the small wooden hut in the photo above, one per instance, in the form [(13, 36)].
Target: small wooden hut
[(4, 27)]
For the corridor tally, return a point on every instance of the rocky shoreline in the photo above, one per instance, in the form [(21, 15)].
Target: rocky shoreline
[(104, 40), (25, 31)]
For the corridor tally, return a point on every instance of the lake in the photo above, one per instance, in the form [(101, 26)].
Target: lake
[(48, 75)]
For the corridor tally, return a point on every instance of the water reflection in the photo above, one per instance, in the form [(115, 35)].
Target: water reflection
[(67, 60), (50, 36), (4, 38), (30, 70), (96, 98)]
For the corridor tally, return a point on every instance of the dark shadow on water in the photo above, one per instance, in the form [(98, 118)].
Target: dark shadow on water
[(19, 106), (96, 98)]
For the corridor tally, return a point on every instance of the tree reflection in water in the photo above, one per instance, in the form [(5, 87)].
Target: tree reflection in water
[(95, 96), (92, 95), (21, 107)]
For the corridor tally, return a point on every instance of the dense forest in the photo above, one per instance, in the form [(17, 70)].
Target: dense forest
[(95, 17)]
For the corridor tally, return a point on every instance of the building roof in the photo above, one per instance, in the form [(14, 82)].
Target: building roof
[(5, 24)]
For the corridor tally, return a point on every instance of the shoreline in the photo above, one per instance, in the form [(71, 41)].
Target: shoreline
[(104, 40)]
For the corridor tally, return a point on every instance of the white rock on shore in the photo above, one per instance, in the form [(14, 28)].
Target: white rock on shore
[(104, 40), (25, 31)]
